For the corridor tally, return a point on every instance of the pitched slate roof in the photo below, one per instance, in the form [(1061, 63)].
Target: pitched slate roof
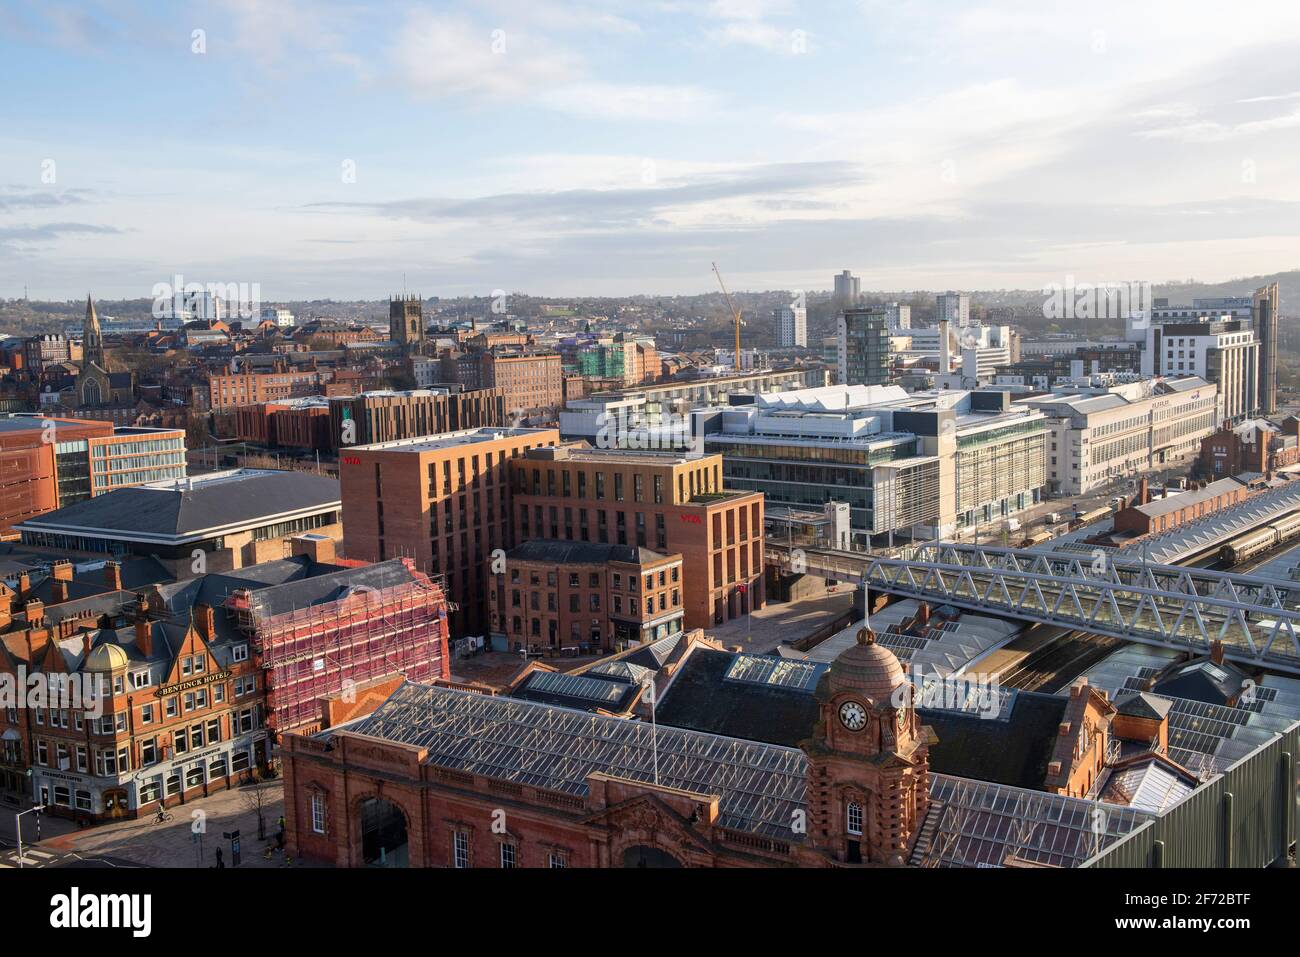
[(701, 698), (1012, 748), (1141, 704)]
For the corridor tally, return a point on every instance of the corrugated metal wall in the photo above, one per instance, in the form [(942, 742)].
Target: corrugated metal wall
[(1246, 817)]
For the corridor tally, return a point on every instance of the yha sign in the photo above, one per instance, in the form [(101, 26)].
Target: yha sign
[(692, 519), (351, 460)]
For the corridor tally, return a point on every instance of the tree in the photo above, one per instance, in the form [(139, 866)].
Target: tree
[(255, 797)]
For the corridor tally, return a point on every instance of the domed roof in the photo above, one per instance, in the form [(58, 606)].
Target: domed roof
[(106, 658), (867, 667)]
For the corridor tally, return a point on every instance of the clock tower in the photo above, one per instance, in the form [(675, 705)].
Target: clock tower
[(868, 764)]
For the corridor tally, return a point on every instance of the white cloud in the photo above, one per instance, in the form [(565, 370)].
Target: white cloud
[(632, 101)]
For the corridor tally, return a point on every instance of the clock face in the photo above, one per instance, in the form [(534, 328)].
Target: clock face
[(853, 716)]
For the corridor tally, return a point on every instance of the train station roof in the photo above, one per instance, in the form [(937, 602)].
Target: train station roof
[(759, 786)]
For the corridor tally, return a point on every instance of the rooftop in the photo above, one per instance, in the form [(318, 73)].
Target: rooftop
[(194, 508), (759, 786), (1172, 503), (448, 440), (582, 553)]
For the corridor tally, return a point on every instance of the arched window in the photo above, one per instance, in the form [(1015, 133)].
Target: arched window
[(853, 818)]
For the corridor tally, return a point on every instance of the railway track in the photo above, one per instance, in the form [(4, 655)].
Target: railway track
[(1059, 662)]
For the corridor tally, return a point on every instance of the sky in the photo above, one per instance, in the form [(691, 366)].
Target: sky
[(615, 147)]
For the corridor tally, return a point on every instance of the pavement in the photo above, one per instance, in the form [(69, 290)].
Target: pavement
[(189, 839), (777, 622)]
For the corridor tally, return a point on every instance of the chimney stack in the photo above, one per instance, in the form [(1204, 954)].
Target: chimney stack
[(35, 610), (205, 620), (62, 570), (58, 591), (113, 575), (24, 585), (1216, 652), (144, 636), (1144, 492)]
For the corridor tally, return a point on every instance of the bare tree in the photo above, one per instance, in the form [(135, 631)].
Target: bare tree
[(256, 798)]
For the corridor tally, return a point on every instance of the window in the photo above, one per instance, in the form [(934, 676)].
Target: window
[(239, 653), (508, 855), (318, 812), (140, 679), (559, 860), (149, 752), (853, 822), (146, 714), (460, 849)]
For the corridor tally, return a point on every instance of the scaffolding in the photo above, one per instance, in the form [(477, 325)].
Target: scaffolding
[(326, 649)]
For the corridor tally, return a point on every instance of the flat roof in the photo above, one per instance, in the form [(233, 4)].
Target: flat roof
[(447, 440)]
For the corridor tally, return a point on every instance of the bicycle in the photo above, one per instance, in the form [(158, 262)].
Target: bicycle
[(162, 817)]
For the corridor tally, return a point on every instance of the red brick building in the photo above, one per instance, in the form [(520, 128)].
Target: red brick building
[(1151, 516), (441, 777), (1256, 445), (667, 502), (583, 598), (194, 681), (443, 501)]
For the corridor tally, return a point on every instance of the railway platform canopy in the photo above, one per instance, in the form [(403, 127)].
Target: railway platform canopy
[(1256, 619), (1219, 527)]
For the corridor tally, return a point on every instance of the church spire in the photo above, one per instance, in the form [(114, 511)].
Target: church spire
[(92, 339)]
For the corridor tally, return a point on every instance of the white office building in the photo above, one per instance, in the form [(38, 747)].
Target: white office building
[(1223, 351), (1101, 431), (954, 308), (280, 316), (792, 327), (900, 316)]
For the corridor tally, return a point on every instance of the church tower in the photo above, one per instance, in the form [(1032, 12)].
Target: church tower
[(92, 338), (868, 762), (406, 322)]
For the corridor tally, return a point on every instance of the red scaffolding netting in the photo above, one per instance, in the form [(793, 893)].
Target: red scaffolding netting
[(368, 633)]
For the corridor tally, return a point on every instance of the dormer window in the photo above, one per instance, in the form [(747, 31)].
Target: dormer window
[(140, 679), (239, 653)]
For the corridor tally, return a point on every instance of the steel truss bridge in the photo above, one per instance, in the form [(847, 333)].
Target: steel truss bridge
[(1173, 607)]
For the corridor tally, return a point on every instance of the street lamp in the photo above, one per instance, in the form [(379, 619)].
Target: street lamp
[(18, 826)]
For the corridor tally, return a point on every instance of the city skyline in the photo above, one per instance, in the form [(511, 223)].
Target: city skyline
[(618, 148)]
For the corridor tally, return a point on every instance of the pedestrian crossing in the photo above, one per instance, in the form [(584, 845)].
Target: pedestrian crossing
[(32, 857)]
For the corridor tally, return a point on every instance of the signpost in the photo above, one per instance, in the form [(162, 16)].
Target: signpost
[(233, 838)]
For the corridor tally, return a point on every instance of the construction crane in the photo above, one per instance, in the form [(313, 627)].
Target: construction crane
[(735, 313)]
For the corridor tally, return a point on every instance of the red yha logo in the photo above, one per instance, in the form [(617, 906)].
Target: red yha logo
[(351, 460), (693, 519)]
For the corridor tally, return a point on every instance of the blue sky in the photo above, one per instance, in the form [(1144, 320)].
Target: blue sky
[(610, 147)]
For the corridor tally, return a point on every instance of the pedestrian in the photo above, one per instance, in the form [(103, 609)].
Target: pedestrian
[(221, 863), (280, 836)]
